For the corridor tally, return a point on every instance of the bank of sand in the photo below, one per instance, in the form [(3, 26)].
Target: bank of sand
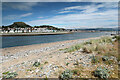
[(15, 56)]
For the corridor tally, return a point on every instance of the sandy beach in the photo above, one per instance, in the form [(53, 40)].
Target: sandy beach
[(50, 55), (17, 55), (14, 50)]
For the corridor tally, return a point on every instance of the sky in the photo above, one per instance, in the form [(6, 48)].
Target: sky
[(69, 15)]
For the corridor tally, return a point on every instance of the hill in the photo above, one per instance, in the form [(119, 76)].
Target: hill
[(101, 29), (24, 25), (49, 27), (17, 25)]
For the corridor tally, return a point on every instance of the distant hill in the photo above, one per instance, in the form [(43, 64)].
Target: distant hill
[(24, 25), (49, 27), (17, 25), (101, 29)]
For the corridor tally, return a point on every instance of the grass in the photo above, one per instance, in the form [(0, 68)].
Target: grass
[(102, 72), (36, 64), (98, 59), (118, 57), (105, 39), (46, 62), (88, 49), (61, 49), (73, 48), (95, 60), (67, 64), (29, 69), (104, 48), (66, 75), (76, 72), (46, 78), (91, 46), (117, 38), (5, 73), (109, 62), (8, 75)]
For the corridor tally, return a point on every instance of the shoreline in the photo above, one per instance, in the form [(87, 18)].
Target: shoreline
[(42, 45), (51, 42), (34, 34)]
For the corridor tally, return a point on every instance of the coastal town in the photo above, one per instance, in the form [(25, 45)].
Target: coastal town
[(21, 27)]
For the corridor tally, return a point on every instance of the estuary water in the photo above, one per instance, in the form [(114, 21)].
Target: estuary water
[(13, 41)]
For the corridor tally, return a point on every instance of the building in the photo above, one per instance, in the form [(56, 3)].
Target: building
[(25, 30)]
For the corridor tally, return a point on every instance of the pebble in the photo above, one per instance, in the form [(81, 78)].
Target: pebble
[(83, 59), (37, 70)]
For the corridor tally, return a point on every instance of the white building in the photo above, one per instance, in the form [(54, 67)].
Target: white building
[(25, 30), (42, 30)]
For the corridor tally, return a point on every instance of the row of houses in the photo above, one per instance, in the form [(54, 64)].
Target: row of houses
[(25, 30)]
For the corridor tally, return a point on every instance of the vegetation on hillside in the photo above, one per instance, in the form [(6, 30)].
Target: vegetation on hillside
[(24, 25), (49, 27), (17, 25)]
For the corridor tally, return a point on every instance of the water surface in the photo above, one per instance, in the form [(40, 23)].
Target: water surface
[(12, 41)]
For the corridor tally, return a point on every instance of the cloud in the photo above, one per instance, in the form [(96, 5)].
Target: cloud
[(98, 19), (90, 8), (25, 15), (65, 11), (20, 5), (73, 7), (40, 17), (89, 16), (13, 17)]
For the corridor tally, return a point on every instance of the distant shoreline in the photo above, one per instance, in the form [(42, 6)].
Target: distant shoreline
[(33, 34)]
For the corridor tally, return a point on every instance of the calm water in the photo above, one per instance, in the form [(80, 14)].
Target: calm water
[(28, 40)]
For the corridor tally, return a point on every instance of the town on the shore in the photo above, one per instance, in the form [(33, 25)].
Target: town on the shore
[(21, 27)]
